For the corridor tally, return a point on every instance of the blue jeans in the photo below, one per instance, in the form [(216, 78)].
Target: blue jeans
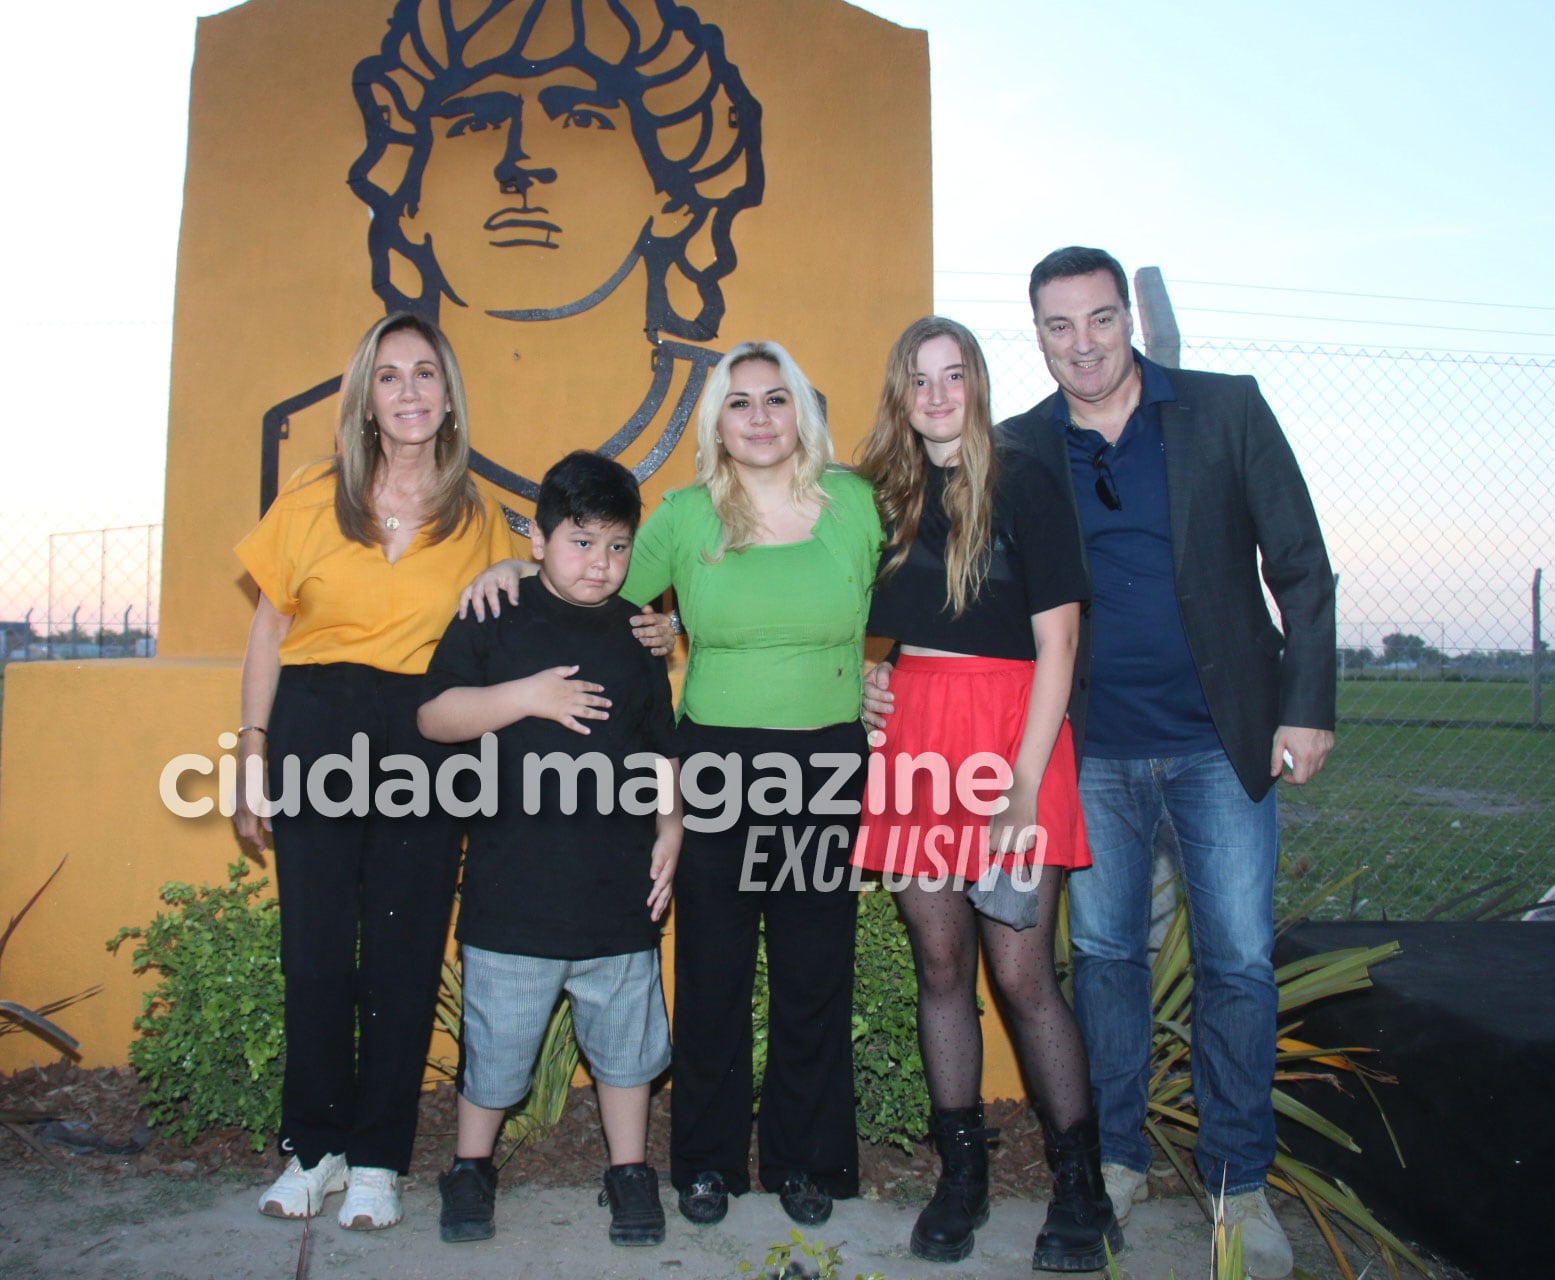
[(1229, 852)]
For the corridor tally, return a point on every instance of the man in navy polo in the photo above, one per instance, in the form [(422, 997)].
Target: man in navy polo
[(1193, 705)]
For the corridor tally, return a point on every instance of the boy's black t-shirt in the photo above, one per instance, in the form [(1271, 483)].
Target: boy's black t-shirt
[(548, 874)]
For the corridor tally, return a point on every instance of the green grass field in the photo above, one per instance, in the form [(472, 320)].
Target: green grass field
[(1433, 812), (1415, 699)]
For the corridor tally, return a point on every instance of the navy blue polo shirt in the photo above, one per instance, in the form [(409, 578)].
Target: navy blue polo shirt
[(1145, 697)]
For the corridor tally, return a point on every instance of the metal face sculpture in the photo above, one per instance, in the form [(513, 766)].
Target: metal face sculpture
[(529, 161)]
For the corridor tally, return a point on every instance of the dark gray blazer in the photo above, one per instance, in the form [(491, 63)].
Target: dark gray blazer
[(1234, 491)]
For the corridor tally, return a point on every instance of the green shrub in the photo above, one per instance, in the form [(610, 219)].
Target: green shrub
[(798, 1257), (210, 1051), (888, 1084)]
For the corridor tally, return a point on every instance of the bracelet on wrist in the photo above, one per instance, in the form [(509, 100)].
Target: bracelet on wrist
[(677, 627), (253, 728)]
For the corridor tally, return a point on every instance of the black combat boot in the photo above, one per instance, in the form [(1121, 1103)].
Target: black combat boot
[(1079, 1222), (943, 1232)]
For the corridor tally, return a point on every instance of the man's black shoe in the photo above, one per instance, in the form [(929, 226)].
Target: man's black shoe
[(469, 1192), (706, 1200), (803, 1201), (636, 1215)]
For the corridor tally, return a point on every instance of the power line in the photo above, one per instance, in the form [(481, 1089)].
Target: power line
[(1256, 345), (1367, 349), (1377, 324), (1276, 288), (946, 303), (1385, 297)]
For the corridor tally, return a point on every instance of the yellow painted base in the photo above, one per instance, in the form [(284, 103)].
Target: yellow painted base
[(84, 747)]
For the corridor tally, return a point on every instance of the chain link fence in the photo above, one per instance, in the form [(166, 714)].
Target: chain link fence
[(1432, 474), (87, 594)]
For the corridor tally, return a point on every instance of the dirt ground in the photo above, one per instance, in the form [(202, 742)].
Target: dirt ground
[(91, 1120), (87, 1189)]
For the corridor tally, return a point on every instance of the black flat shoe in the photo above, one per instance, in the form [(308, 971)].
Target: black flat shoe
[(706, 1200), (803, 1201)]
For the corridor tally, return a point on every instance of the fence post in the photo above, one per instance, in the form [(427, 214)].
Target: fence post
[(48, 622), (1163, 342), (1538, 650), (150, 566), (102, 589), (1337, 648)]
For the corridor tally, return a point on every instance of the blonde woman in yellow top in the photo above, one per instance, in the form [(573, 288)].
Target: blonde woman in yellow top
[(359, 564)]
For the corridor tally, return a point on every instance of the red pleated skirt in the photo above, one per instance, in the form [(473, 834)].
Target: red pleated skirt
[(949, 712)]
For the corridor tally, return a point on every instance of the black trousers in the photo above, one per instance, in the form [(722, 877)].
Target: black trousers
[(365, 902), (791, 871)]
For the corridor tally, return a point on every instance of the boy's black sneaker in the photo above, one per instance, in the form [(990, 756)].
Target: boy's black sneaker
[(469, 1192), (636, 1215)]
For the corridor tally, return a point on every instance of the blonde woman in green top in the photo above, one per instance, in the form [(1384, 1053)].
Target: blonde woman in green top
[(771, 554)]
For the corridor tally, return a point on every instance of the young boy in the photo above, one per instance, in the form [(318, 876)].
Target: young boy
[(565, 885)]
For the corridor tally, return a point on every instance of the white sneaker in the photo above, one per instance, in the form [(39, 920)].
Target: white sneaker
[(299, 1192), (372, 1200), (1265, 1250), (1125, 1188)]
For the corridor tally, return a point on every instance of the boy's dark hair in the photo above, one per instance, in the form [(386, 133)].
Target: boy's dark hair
[(588, 488)]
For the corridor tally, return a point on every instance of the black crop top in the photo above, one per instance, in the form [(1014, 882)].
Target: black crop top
[(1037, 565)]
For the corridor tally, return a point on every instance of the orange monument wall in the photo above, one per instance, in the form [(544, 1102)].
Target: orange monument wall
[(703, 174)]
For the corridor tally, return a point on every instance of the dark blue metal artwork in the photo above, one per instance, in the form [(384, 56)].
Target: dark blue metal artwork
[(506, 76)]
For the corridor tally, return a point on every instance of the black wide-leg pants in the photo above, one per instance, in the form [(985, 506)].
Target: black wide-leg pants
[(365, 901), (791, 871)]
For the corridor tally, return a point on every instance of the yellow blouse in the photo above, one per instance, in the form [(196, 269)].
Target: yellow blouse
[(347, 602)]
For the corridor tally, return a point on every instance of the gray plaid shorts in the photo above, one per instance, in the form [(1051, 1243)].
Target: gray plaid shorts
[(617, 1016)]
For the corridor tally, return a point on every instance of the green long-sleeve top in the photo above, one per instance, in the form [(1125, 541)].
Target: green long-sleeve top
[(777, 632)]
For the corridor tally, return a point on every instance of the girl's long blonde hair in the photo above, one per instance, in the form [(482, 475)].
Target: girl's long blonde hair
[(716, 469), (893, 460)]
